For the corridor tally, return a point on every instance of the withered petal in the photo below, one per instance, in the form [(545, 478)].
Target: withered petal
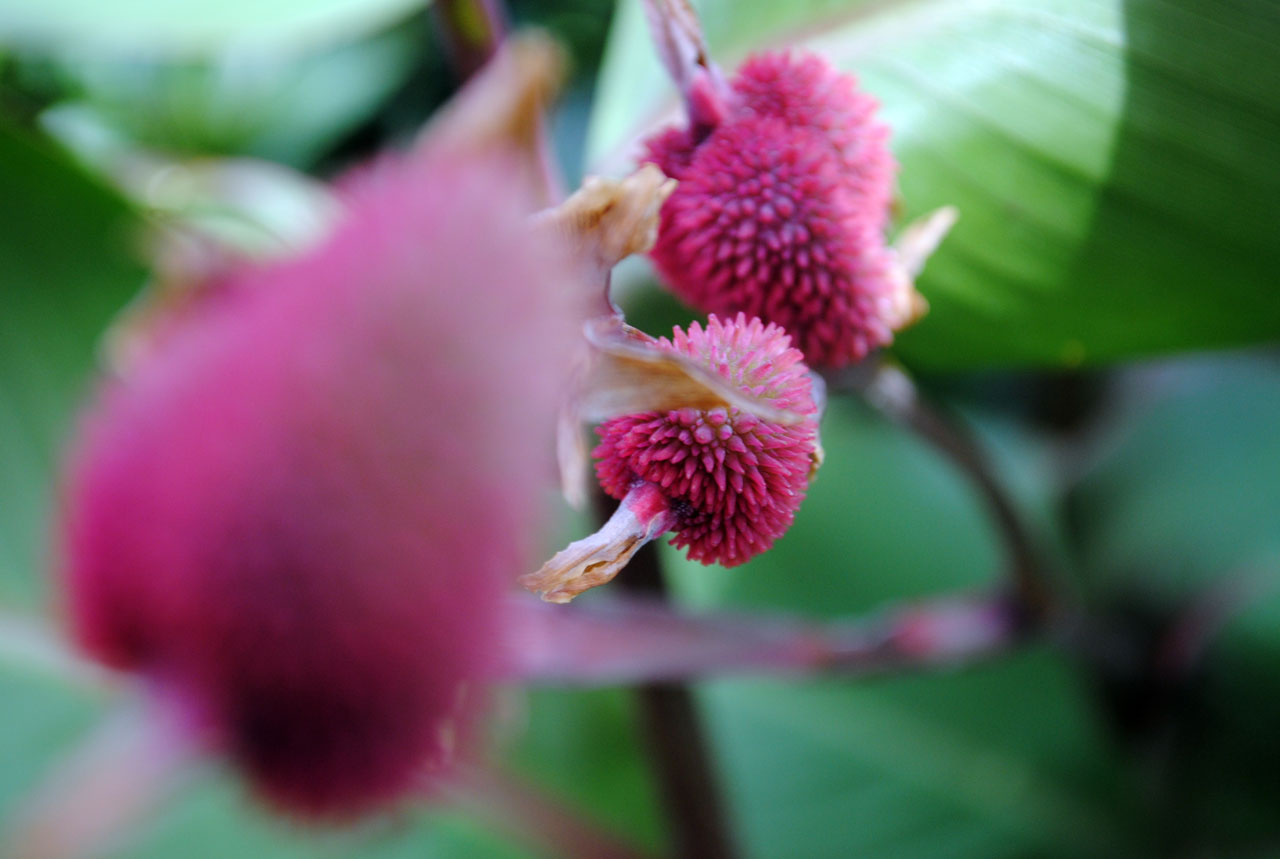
[(628, 375), (611, 219), (913, 248), (503, 104)]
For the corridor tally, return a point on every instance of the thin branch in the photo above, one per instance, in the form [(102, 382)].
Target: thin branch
[(891, 391), (640, 639), (128, 766), (635, 640), (32, 645)]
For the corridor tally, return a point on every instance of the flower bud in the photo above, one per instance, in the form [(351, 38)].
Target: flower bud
[(725, 482), (785, 189)]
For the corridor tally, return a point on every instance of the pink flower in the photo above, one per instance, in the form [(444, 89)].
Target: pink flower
[(785, 185), (725, 482), (734, 481), (806, 92), (298, 516)]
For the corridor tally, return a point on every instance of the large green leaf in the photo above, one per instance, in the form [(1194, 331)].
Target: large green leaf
[(1004, 759), (288, 108), (584, 745), (158, 27), (1189, 495), (1114, 161), (959, 765)]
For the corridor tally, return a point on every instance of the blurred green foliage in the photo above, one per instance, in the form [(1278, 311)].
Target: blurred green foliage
[(149, 27), (68, 265), (1115, 163)]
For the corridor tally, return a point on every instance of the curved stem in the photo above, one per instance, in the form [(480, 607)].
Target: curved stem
[(32, 644), (892, 392), (125, 769)]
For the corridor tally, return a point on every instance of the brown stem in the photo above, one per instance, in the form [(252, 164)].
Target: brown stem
[(892, 392), (690, 793)]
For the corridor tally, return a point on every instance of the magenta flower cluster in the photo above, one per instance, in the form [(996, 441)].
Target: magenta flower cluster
[(784, 192)]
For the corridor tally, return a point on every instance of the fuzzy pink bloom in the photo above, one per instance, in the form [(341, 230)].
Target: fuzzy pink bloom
[(783, 199), (298, 516), (732, 480), (806, 92)]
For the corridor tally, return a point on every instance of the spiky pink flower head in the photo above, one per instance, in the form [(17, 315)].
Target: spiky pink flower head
[(298, 516), (727, 483), (785, 186), (733, 481)]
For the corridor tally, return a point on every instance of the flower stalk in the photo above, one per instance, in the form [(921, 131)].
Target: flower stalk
[(891, 391)]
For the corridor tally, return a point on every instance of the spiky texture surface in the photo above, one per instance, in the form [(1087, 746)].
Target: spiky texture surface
[(805, 92), (781, 208), (735, 481), (300, 515)]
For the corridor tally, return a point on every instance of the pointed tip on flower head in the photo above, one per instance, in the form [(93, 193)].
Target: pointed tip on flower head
[(733, 481), (781, 208), (299, 514)]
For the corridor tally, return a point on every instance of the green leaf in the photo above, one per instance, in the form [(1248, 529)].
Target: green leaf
[(1113, 161), (214, 818), (68, 266), (156, 27), (956, 765), (1190, 493), (584, 745), (288, 108), (1003, 759)]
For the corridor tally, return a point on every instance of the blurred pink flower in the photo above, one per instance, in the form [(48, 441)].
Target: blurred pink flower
[(297, 517)]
